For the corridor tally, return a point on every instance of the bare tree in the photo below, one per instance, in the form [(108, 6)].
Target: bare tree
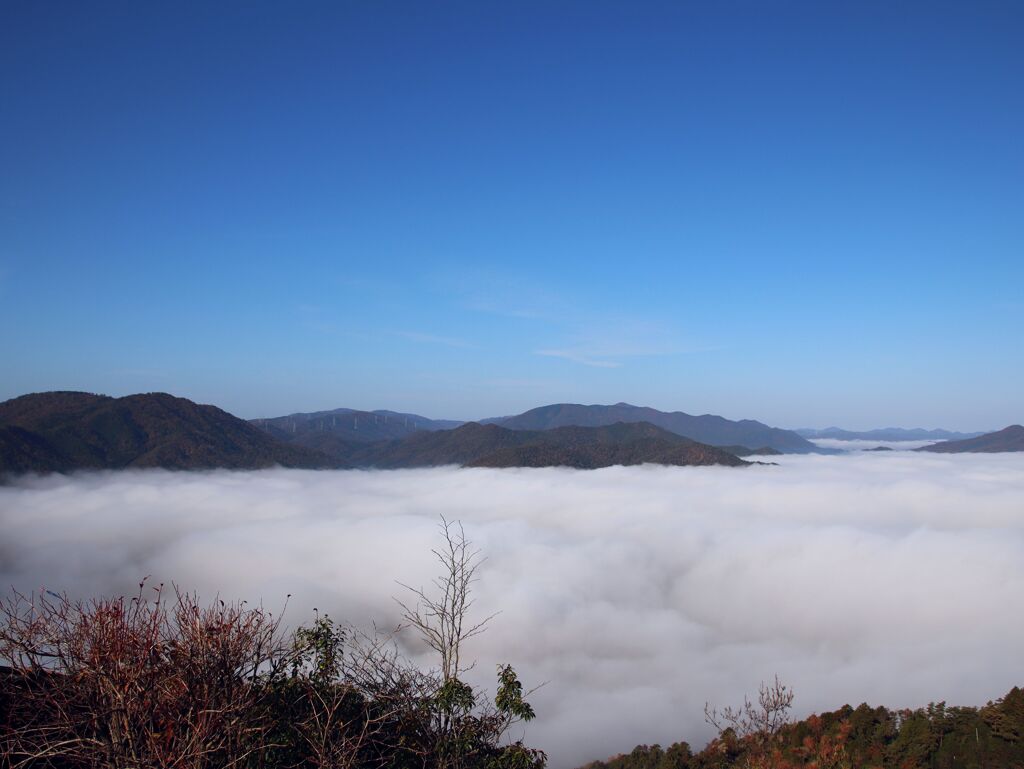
[(442, 620), (463, 726), (756, 724)]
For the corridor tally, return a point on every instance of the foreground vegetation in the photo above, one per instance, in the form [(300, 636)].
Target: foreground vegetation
[(760, 736), (160, 680)]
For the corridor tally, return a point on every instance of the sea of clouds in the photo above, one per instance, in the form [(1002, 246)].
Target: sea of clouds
[(637, 594)]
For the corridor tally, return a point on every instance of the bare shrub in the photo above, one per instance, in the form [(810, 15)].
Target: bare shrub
[(133, 682), (158, 682)]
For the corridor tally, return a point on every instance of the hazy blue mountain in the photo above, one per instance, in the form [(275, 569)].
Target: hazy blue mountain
[(478, 445), (1008, 439), (323, 428), (65, 431), (745, 451), (884, 434), (708, 428)]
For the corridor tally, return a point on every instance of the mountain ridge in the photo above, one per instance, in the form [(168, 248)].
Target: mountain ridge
[(1008, 439), (710, 429), (884, 434), (488, 445), (63, 431), (308, 428)]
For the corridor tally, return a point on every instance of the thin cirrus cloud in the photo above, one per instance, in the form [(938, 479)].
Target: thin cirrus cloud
[(570, 329), (577, 356), (638, 594), (446, 341), (608, 352)]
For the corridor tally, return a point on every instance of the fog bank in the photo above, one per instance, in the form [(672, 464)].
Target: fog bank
[(637, 593)]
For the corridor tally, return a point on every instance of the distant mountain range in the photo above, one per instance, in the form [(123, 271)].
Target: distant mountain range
[(334, 432), (709, 429), (1008, 439), (884, 434), (64, 431), (350, 425), (477, 445), (67, 431)]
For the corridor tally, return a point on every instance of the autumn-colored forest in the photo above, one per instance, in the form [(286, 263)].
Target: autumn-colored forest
[(933, 737)]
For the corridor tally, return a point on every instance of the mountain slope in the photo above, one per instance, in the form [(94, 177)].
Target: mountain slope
[(22, 451), (348, 425), (595, 455), (709, 429), (64, 431), (884, 434), (934, 736), (477, 445), (1008, 439)]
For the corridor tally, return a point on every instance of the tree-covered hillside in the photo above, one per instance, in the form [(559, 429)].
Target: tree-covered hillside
[(934, 737)]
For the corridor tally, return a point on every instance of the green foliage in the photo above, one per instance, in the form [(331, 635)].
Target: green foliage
[(509, 699), (455, 697), (318, 651), (517, 756)]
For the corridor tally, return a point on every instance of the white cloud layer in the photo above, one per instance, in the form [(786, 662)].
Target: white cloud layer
[(637, 593)]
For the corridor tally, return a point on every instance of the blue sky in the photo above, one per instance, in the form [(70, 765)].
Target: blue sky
[(804, 213)]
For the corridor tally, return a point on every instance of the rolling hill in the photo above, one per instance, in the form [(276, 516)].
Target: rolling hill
[(65, 431), (1008, 439), (477, 445), (319, 429), (710, 429), (884, 434)]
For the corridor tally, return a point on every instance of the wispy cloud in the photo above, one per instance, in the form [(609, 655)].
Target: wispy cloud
[(491, 307), (320, 320), (582, 358), (566, 326), (521, 383), (605, 345), (510, 296), (139, 373), (447, 341)]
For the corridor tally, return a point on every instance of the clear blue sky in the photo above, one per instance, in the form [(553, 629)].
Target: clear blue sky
[(804, 213)]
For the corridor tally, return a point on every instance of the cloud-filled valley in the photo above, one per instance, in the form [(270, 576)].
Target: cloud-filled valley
[(637, 593)]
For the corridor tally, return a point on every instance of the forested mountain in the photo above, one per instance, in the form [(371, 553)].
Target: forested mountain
[(884, 434), (319, 428), (65, 431), (709, 429), (1008, 439), (745, 451), (935, 737), (479, 445)]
